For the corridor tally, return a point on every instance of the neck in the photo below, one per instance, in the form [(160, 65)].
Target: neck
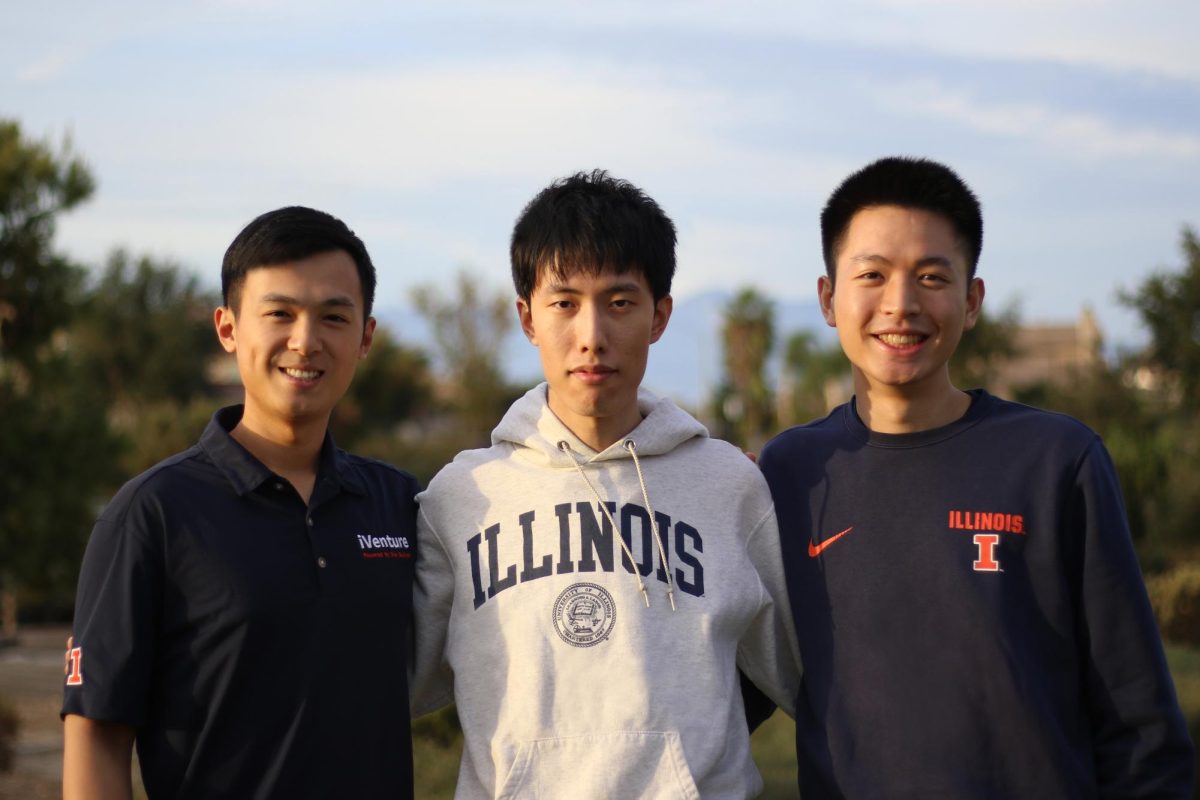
[(598, 433), (908, 409), (289, 448)]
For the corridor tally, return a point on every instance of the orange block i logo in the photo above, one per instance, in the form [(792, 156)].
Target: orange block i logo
[(985, 544)]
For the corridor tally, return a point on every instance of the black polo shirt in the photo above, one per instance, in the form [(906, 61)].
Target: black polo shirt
[(257, 645)]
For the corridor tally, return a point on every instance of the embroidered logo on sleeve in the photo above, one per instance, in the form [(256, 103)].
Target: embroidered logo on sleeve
[(74, 664), (384, 546)]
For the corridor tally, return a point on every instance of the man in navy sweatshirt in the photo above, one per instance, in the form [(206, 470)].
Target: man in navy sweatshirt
[(970, 612)]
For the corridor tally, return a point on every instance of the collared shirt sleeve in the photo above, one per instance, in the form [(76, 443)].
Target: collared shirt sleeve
[(1141, 741), (117, 608)]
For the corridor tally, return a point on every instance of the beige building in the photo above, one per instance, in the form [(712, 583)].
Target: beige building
[(1052, 354)]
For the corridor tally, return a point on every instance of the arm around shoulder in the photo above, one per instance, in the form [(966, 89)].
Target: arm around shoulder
[(97, 759)]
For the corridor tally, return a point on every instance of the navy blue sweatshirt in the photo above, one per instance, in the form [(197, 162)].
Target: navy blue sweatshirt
[(971, 615)]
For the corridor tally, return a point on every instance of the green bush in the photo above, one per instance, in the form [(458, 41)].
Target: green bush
[(8, 734), (441, 728), (1175, 596)]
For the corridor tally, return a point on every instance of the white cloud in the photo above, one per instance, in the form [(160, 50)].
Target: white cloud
[(1156, 36), (1067, 133), (400, 130), (48, 66), (785, 259)]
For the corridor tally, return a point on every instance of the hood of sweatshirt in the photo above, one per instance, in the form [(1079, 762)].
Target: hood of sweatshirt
[(536, 432)]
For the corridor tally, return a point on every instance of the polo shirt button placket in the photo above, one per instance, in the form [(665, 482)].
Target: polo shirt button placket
[(321, 560)]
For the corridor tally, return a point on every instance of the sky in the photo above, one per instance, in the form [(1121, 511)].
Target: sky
[(428, 126)]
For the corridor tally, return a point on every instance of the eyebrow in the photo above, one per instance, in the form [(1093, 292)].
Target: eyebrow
[(616, 288), (337, 301), (927, 261)]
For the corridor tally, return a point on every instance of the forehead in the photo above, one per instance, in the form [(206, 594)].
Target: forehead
[(313, 278), (899, 233), (554, 277)]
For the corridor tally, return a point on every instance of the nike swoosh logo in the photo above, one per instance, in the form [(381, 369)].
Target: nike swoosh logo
[(815, 549)]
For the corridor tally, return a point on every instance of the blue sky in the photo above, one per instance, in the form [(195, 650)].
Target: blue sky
[(427, 126)]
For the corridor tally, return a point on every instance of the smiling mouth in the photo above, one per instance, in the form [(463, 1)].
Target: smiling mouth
[(301, 374), (901, 339)]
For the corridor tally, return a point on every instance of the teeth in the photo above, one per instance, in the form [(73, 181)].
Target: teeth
[(302, 374), (899, 339)]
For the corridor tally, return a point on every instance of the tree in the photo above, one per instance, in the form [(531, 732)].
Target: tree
[(145, 331), (36, 285), (394, 384), (143, 335), (470, 327), (743, 401), (985, 348), (810, 371), (59, 458), (1169, 305), (57, 452), (1166, 378)]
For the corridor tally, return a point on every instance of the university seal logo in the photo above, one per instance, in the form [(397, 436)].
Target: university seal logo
[(584, 614)]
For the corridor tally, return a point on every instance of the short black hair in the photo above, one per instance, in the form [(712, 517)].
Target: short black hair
[(592, 222), (909, 183), (290, 234)]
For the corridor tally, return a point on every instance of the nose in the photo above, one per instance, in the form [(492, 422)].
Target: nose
[(590, 329), (900, 296), (305, 336)]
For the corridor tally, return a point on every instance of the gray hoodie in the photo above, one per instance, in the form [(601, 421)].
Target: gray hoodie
[(573, 674)]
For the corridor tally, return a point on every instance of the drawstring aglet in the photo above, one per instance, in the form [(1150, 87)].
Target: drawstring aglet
[(645, 595), (671, 597)]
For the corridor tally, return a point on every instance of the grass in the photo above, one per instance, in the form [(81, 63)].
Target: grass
[(774, 749), (1185, 669)]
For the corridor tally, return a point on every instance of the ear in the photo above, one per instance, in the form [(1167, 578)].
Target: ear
[(825, 298), (367, 337), (226, 326), (975, 292), (525, 315), (662, 315)]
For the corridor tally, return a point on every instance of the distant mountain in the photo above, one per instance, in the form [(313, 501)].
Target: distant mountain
[(684, 365)]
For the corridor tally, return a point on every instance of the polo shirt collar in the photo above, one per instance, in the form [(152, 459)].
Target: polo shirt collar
[(246, 473)]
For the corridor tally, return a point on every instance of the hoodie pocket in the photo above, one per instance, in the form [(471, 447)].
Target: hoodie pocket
[(630, 764)]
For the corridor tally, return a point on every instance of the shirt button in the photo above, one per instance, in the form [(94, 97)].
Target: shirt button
[(321, 562), (309, 521), (278, 486)]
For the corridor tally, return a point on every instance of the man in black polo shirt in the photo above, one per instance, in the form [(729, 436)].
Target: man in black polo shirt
[(243, 607)]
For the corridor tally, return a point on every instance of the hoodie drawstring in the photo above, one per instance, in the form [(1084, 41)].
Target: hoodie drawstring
[(629, 445)]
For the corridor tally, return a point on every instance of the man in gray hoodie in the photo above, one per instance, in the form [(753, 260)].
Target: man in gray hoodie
[(589, 586)]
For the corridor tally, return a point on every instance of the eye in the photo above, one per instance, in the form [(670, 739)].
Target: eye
[(622, 302), (277, 313), (562, 305), (934, 278), (337, 318)]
